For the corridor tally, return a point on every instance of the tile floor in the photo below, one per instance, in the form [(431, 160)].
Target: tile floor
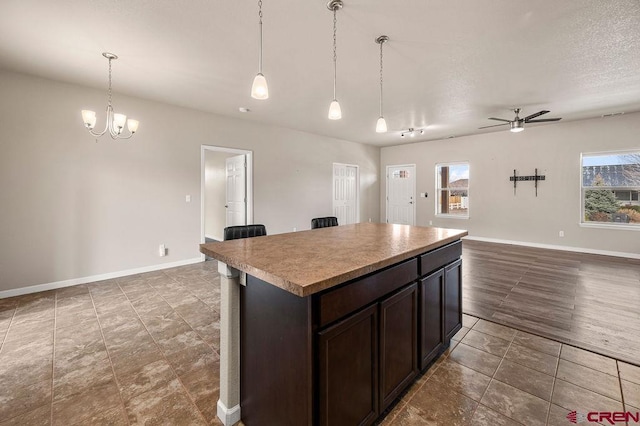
[(143, 349), (495, 375)]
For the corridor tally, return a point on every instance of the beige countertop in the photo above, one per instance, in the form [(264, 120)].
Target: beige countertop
[(304, 263)]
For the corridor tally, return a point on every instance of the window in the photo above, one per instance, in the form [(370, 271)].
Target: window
[(610, 188), (452, 189)]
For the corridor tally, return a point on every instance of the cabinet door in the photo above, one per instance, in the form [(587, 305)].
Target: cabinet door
[(348, 370), (452, 299), (398, 343), (431, 327)]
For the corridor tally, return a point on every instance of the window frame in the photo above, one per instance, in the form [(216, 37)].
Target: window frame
[(602, 225), (439, 189)]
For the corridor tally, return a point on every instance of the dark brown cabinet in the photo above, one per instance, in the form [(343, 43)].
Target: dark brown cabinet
[(398, 343), (342, 356), (452, 299), (431, 329), (349, 370)]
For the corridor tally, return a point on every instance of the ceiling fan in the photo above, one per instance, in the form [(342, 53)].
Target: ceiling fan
[(517, 124)]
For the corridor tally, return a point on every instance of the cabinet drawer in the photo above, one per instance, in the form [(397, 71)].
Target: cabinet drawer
[(438, 258), (356, 294)]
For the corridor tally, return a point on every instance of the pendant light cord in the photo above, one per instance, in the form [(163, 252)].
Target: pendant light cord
[(381, 43), (335, 56), (260, 23)]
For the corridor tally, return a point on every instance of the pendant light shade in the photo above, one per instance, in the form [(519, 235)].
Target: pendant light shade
[(381, 125), (335, 112), (259, 89)]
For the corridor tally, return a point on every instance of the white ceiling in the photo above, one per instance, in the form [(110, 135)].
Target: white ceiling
[(449, 65)]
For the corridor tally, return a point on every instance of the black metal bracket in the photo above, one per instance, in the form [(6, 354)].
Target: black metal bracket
[(536, 177)]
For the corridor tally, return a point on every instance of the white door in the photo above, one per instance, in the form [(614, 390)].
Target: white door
[(236, 204), (401, 194), (345, 193)]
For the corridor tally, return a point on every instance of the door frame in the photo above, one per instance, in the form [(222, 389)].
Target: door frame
[(415, 181), (249, 177), (333, 188)]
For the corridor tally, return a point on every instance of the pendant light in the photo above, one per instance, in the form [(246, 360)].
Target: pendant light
[(335, 113), (381, 125), (259, 89), (115, 122)]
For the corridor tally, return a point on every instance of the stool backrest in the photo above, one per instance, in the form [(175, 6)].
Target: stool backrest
[(244, 231), (324, 222)]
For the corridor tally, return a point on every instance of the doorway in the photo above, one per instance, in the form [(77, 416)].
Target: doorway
[(401, 194), (346, 193), (226, 190)]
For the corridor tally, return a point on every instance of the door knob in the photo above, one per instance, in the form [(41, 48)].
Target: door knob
[(226, 206)]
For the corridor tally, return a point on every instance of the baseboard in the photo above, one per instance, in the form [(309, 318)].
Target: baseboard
[(228, 416), (75, 281), (555, 247)]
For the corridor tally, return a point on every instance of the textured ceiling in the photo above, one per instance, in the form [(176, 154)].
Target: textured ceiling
[(448, 65)]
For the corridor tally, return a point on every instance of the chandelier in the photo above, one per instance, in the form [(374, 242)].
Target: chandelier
[(115, 122)]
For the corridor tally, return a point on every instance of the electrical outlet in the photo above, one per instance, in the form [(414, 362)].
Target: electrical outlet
[(430, 222), (295, 229), (369, 220), (162, 250), (187, 198), (561, 234)]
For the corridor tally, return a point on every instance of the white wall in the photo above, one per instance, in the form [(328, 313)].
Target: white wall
[(494, 210), (74, 208), (215, 193)]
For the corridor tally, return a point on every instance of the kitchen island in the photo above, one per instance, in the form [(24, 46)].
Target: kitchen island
[(329, 326)]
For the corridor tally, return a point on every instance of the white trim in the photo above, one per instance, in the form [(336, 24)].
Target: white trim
[(84, 280), (555, 247), (228, 416), (607, 225), (249, 179)]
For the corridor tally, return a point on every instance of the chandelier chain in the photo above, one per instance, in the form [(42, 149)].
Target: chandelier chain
[(335, 56)]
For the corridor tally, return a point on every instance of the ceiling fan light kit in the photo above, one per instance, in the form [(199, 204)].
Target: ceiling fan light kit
[(115, 122)]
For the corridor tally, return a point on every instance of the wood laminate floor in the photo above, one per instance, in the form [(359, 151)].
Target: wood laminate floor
[(589, 301)]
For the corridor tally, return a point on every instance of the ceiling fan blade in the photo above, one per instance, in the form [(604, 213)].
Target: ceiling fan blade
[(499, 119), (537, 114), (495, 125), (543, 120)]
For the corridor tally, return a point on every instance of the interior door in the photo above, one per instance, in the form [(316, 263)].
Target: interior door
[(401, 194), (236, 203), (345, 193)]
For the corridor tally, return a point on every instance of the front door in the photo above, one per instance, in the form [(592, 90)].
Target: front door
[(401, 194), (236, 204)]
